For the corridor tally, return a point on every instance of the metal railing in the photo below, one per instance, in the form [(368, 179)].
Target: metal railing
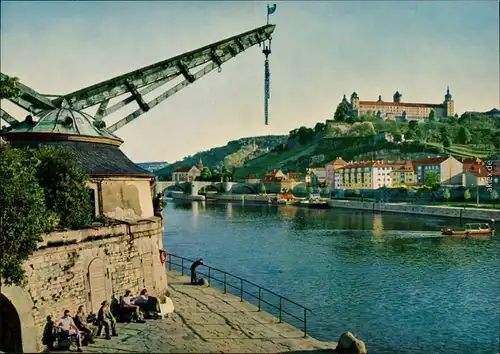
[(230, 281)]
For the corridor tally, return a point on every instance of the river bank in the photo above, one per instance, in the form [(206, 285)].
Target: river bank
[(207, 321), (453, 212), (431, 210)]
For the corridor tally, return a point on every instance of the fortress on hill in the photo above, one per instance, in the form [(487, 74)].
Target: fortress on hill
[(397, 110)]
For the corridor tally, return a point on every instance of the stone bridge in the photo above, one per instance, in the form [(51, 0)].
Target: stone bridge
[(193, 188)]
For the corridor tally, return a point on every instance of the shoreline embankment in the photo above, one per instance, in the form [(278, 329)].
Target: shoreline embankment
[(431, 210)]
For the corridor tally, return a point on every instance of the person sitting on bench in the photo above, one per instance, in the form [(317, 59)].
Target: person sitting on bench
[(68, 329), (83, 327), (148, 304), (106, 319), (128, 305)]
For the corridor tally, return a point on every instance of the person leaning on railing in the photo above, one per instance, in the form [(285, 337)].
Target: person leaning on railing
[(199, 262)]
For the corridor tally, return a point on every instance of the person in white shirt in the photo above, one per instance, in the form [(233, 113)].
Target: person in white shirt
[(68, 329), (128, 305)]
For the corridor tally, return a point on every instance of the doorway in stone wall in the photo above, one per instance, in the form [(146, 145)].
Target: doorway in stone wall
[(11, 340), (97, 282)]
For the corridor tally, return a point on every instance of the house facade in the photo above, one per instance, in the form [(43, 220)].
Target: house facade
[(403, 174), (474, 178), (185, 174), (330, 169), (365, 175), (449, 170)]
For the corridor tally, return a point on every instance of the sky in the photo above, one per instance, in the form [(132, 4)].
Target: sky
[(321, 50)]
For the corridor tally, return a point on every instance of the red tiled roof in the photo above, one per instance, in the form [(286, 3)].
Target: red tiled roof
[(479, 173), (400, 104), (430, 161), (182, 169)]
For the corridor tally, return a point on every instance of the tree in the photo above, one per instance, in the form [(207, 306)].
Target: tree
[(326, 191), (447, 195), (413, 125), (319, 127), (432, 116), (410, 135), (494, 195), (261, 188), (9, 87), (23, 215), (343, 112), (432, 180), (467, 195), (64, 184), (357, 193), (464, 135), (398, 137), (215, 176), (206, 174), (447, 142), (309, 190)]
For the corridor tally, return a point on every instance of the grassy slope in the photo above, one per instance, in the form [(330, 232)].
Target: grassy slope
[(214, 158), (300, 157)]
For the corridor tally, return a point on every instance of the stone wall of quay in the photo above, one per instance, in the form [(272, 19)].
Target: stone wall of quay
[(467, 213), (86, 267), (244, 197)]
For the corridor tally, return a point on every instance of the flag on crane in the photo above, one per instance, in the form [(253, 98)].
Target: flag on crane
[(271, 10)]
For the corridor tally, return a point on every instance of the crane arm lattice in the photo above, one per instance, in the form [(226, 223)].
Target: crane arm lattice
[(29, 99), (158, 74)]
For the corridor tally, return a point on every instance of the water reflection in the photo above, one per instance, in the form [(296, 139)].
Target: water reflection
[(373, 273)]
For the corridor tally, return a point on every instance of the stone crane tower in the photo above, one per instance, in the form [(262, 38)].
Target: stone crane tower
[(62, 121)]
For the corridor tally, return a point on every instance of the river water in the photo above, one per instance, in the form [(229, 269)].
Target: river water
[(390, 279)]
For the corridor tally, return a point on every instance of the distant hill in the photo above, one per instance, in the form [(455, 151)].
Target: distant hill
[(234, 154), (152, 166), (474, 134)]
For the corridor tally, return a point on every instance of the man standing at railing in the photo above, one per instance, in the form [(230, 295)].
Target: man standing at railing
[(194, 280)]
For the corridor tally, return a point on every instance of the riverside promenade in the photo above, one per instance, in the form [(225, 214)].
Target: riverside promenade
[(207, 321)]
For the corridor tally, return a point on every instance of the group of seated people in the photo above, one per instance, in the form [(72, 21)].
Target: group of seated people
[(85, 330)]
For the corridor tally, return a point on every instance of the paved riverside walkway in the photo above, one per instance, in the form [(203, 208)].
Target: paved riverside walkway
[(208, 321)]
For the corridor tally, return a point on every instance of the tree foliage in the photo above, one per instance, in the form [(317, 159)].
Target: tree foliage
[(63, 181), (432, 179), (23, 215), (343, 112), (9, 87), (467, 195), (464, 136), (447, 194), (261, 188)]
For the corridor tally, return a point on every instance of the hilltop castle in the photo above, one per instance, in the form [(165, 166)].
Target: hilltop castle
[(397, 110)]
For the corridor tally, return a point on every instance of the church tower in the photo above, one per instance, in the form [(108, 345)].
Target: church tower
[(200, 165), (449, 104)]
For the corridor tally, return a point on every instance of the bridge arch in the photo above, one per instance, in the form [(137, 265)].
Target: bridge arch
[(252, 189), (216, 187), (176, 187)]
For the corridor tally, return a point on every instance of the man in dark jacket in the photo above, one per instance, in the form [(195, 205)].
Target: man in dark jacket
[(194, 280), (83, 327)]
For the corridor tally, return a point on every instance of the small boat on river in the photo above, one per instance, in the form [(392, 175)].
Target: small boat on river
[(473, 229), (315, 202)]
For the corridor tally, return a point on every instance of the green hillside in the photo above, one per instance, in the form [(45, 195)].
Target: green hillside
[(235, 153), (473, 134)]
